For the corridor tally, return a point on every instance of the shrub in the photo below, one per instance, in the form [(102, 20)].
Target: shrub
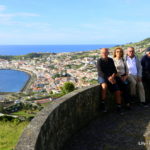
[(68, 87)]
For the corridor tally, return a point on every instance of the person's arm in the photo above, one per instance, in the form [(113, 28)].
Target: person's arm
[(139, 69), (99, 69), (126, 71), (112, 77), (114, 70), (126, 67), (142, 63)]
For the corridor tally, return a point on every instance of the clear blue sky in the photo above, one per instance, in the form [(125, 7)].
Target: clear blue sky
[(74, 21)]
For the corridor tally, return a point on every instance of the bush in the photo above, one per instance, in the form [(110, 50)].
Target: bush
[(6, 118), (68, 87)]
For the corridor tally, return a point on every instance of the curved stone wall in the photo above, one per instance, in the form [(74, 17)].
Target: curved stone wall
[(56, 123)]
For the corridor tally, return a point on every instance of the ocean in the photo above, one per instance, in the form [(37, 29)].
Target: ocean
[(25, 49)]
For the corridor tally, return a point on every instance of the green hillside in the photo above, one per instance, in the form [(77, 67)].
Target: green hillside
[(139, 45)]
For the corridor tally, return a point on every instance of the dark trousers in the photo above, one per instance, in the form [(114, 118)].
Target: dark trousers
[(124, 87), (146, 83)]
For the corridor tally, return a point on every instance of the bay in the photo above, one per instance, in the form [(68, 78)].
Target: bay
[(12, 80)]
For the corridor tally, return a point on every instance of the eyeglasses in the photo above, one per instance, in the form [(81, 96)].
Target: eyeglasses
[(118, 51)]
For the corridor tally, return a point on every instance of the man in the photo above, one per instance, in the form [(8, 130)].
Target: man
[(107, 78), (145, 62), (135, 75)]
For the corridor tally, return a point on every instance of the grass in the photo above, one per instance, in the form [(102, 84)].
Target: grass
[(45, 104), (25, 113), (10, 133)]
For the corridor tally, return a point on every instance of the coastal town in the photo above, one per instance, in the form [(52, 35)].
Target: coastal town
[(50, 71), (53, 70)]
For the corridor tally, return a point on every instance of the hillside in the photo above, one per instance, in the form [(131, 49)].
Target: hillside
[(139, 46)]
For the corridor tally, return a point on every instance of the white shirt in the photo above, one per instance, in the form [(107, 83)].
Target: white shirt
[(131, 63)]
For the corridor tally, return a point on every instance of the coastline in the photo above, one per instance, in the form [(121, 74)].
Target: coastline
[(32, 78)]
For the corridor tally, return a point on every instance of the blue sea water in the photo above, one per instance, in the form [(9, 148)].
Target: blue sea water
[(12, 80), (25, 49)]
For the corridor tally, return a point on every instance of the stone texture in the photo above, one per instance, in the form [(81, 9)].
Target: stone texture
[(55, 124), (74, 122)]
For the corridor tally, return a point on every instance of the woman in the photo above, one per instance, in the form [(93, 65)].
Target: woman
[(122, 71)]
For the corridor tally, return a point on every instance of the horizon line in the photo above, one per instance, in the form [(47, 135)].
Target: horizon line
[(58, 44)]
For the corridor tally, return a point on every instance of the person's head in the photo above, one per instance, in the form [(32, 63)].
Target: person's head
[(130, 52), (104, 52), (148, 51), (118, 52)]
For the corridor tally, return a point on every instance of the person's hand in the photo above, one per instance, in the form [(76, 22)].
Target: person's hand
[(111, 80)]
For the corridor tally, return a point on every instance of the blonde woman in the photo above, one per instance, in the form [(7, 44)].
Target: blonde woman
[(120, 64), (122, 73)]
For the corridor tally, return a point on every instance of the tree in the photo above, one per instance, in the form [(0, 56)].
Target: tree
[(51, 92), (68, 87)]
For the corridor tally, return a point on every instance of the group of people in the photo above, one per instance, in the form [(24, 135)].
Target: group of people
[(124, 76)]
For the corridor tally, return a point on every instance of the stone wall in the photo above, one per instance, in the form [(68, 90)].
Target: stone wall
[(56, 123)]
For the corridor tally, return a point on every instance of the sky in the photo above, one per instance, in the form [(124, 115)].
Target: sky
[(74, 21)]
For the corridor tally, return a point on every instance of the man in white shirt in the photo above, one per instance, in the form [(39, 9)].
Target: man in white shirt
[(131, 63), (135, 75)]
